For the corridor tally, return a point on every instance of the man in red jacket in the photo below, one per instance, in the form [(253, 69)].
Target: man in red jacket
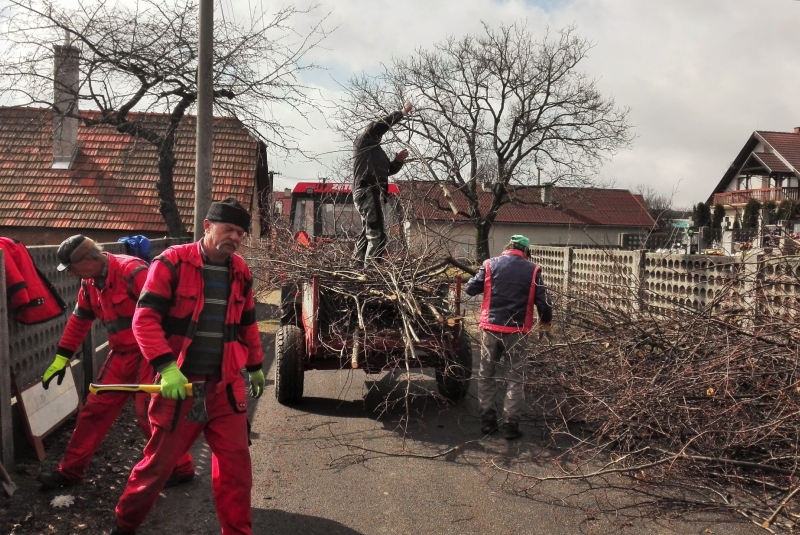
[(195, 321), (110, 286)]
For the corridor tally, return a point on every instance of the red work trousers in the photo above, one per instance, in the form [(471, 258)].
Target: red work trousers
[(100, 412), (173, 435)]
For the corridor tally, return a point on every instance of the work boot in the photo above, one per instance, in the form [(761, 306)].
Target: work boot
[(53, 480), (178, 479), (511, 431), (488, 426)]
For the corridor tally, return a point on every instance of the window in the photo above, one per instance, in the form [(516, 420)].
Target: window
[(304, 216), (340, 220)]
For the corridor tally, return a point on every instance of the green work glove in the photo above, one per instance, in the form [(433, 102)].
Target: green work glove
[(173, 382), (56, 369), (257, 383)]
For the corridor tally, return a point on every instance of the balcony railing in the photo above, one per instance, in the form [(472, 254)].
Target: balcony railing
[(762, 195)]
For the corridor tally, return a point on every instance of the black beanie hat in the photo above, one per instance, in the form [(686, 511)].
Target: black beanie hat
[(229, 211)]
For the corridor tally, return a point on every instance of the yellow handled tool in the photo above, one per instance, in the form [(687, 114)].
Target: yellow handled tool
[(196, 389), (131, 389)]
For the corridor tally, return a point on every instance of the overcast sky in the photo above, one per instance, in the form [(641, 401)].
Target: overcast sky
[(698, 75)]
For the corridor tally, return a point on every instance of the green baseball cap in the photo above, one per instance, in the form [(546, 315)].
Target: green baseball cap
[(519, 239)]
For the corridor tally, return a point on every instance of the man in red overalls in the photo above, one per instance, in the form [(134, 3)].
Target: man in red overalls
[(110, 287), (195, 321)]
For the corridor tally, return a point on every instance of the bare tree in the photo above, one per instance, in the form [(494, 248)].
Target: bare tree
[(490, 110), (142, 56), (659, 206)]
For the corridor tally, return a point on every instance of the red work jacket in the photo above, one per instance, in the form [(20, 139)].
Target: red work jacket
[(168, 311), (114, 306), (31, 297)]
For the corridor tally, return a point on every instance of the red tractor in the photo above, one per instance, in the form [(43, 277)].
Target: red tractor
[(322, 330)]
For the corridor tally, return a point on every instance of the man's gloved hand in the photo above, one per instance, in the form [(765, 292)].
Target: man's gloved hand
[(173, 382), (257, 383), (56, 369)]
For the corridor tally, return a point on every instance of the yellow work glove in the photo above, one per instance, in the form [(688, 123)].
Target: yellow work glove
[(257, 383), (56, 369), (173, 382)]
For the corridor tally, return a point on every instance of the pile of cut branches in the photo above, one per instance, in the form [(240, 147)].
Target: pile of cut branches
[(400, 307), (703, 404)]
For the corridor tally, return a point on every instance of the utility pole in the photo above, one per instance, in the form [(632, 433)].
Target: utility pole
[(205, 117), (266, 213)]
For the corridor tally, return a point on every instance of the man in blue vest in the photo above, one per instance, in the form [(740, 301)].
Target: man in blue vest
[(511, 286)]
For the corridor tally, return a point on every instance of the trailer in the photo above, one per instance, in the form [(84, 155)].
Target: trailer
[(322, 328)]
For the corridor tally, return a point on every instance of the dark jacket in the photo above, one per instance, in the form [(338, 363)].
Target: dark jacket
[(511, 286), (371, 165)]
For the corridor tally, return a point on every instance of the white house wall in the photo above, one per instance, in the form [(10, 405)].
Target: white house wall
[(459, 239)]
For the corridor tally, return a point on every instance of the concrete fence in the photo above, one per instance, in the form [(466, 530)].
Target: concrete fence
[(27, 350), (761, 284)]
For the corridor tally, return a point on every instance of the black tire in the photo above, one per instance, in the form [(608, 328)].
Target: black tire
[(291, 306), (453, 380), (290, 349)]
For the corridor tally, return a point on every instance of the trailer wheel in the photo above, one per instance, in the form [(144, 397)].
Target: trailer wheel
[(453, 380), (289, 355), (291, 305)]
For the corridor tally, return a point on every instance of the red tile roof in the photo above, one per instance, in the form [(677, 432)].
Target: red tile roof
[(571, 206), (772, 162), (787, 144), (112, 182)]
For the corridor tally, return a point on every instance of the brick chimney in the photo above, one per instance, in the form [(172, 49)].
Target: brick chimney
[(547, 194), (65, 100)]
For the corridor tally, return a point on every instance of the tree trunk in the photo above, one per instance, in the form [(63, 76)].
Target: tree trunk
[(483, 228), (166, 192)]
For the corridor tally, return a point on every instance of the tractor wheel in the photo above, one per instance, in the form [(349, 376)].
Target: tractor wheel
[(453, 380), (290, 351)]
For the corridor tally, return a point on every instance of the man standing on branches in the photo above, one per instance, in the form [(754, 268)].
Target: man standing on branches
[(371, 170), (511, 286)]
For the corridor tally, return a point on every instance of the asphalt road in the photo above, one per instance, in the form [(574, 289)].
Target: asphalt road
[(343, 463)]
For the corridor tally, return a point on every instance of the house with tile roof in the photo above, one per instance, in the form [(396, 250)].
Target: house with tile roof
[(547, 215), (103, 183), (766, 169)]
